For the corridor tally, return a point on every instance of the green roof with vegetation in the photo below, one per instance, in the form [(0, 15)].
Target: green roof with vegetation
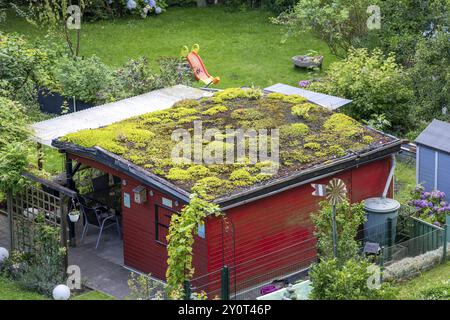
[(310, 135)]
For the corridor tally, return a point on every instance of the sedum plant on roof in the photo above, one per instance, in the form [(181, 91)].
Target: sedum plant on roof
[(309, 135)]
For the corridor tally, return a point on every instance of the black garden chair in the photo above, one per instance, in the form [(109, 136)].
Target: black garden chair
[(98, 218)]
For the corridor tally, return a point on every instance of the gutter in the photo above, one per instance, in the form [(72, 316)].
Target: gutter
[(115, 162), (308, 176)]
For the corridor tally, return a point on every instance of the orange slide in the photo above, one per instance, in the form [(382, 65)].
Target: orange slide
[(197, 66)]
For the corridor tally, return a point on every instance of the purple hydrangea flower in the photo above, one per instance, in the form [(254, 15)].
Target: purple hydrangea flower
[(304, 83), (158, 10)]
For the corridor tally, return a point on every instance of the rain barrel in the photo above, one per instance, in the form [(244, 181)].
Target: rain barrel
[(378, 211)]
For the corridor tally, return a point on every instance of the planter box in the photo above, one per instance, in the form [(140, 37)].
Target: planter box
[(51, 102), (307, 61)]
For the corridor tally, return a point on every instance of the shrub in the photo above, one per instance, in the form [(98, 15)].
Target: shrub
[(348, 219), (84, 79), (332, 281), (430, 206), (21, 67), (376, 84), (341, 24), (46, 268), (143, 287), (13, 149)]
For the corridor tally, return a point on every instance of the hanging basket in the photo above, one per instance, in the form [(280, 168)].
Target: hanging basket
[(74, 216)]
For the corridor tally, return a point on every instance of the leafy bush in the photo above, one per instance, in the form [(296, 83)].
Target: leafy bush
[(279, 6), (332, 281), (143, 287), (341, 24), (376, 84), (348, 219), (13, 154), (440, 291), (173, 71), (21, 67), (430, 206), (46, 269), (84, 79)]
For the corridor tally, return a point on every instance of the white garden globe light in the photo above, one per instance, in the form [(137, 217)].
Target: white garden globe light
[(61, 292), (4, 254)]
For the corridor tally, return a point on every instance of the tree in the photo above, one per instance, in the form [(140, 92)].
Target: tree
[(340, 23), (405, 23), (55, 16), (376, 84), (13, 146), (21, 67), (431, 76)]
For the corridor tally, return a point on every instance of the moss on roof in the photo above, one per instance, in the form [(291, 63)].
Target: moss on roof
[(309, 135)]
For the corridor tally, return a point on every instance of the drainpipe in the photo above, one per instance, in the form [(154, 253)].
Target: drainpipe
[(390, 177)]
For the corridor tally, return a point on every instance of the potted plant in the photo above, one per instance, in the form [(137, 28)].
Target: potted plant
[(74, 215)]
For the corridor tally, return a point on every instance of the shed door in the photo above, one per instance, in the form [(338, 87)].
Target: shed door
[(443, 176), (426, 168)]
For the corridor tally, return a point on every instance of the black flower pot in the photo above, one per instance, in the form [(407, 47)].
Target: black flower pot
[(52, 102)]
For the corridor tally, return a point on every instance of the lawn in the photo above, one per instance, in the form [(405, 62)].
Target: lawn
[(9, 290), (412, 289), (242, 47), (405, 181)]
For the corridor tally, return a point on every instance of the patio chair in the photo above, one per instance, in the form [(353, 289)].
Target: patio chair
[(99, 219)]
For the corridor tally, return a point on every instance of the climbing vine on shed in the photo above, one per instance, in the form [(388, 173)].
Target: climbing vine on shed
[(181, 240)]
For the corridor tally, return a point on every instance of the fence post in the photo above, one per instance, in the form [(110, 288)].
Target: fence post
[(64, 210), (444, 244), (187, 290), (389, 237), (9, 210), (225, 283)]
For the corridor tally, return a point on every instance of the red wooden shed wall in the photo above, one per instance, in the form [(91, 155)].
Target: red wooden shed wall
[(274, 235), (141, 251)]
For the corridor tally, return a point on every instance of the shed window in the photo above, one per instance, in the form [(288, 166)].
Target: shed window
[(162, 222)]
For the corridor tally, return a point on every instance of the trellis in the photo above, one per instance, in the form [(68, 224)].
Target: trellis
[(25, 206)]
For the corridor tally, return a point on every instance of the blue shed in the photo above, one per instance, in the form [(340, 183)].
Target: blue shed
[(433, 157)]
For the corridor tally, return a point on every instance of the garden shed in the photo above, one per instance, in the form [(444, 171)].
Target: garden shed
[(266, 231), (433, 157)]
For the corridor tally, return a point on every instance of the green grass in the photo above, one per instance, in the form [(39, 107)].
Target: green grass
[(93, 295), (405, 181), (243, 48), (412, 289), (10, 290)]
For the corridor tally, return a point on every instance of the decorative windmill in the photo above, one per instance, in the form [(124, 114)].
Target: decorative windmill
[(335, 192)]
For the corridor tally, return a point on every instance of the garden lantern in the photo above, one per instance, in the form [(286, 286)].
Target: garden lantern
[(61, 292), (4, 254)]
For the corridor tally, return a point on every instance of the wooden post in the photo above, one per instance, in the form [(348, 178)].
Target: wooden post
[(10, 220), (39, 156), (71, 186), (63, 207)]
